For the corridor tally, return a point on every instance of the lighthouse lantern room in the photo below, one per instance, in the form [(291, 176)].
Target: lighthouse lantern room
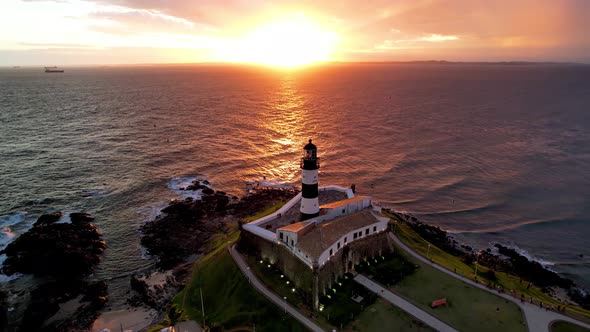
[(310, 163)]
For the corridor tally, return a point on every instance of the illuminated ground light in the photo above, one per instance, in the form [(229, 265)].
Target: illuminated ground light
[(321, 307), (269, 266), (293, 290), (260, 262), (282, 276), (287, 282)]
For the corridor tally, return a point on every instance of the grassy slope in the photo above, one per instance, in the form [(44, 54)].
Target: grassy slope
[(384, 317), (230, 301), (468, 308), (561, 326), (452, 263), (264, 212)]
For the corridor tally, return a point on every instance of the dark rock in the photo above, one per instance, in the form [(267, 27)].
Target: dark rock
[(531, 270), (580, 297), (48, 219), (46, 299), (58, 250), (196, 186), (208, 191), (3, 311), (80, 217), (188, 224)]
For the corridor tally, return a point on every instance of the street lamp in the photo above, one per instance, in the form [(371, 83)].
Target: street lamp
[(476, 258), (285, 303)]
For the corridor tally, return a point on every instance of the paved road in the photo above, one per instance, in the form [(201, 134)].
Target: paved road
[(406, 306), (538, 320), (188, 326), (280, 302)]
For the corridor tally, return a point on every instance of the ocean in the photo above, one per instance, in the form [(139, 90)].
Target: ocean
[(491, 153)]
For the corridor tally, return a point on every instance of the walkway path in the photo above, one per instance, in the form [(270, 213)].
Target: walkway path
[(538, 320), (188, 326), (280, 302), (408, 307)]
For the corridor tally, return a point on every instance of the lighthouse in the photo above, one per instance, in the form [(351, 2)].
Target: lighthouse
[(310, 163)]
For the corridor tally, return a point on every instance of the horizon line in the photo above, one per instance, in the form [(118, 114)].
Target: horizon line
[(434, 62)]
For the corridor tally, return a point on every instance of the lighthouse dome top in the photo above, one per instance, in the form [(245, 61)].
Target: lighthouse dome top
[(310, 146)]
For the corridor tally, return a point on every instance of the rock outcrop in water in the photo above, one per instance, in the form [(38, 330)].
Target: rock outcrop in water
[(531, 270), (187, 224), (64, 250), (61, 254), (48, 219)]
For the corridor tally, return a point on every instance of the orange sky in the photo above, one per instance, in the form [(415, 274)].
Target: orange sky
[(69, 32)]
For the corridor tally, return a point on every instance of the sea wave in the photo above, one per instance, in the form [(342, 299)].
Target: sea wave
[(458, 211), (180, 183), (12, 219), (523, 252), (503, 228), (90, 193), (12, 225), (269, 183)]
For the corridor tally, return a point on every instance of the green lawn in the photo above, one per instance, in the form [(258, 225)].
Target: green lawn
[(561, 326), (229, 300), (468, 308), (453, 263), (265, 212), (384, 317)]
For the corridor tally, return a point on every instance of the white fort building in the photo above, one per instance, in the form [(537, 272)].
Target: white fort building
[(320, 226)]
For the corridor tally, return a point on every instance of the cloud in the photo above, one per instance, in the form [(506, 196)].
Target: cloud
[(435, 38), (387, 28), (413, 42)]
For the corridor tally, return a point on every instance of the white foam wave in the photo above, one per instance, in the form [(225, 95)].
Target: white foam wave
[(9, 223), (90, 193), (530, 257), (178, 184), (150, 213), (12, 219), (12, 225), (268, 183)]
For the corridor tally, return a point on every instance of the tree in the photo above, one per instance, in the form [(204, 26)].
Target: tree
[(174, 314)]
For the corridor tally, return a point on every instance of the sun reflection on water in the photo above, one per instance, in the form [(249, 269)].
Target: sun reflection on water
[(283, 124)]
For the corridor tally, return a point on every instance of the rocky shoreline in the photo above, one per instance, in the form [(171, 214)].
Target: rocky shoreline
[(506, 260), (60, 256), (182, 233)]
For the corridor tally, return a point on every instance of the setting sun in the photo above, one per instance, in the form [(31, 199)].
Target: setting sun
[(293, 42)]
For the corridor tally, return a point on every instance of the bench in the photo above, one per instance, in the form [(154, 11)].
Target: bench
[(438, 303)]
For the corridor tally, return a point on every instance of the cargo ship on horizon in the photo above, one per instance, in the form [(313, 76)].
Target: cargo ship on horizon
[(53, 69)]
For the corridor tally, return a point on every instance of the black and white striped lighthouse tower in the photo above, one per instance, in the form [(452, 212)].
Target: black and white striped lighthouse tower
[(310, 163)]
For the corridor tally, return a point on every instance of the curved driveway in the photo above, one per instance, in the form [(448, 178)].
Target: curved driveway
[(281, 303)]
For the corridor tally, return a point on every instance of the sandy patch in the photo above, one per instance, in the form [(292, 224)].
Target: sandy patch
[(134, 319)]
